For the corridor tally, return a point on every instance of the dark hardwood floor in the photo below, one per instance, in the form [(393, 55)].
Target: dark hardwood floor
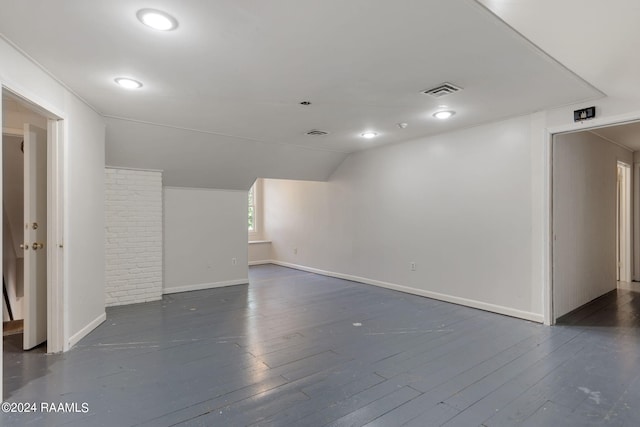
[(298, 349)]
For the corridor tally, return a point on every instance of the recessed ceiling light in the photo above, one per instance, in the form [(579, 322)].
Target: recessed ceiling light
[(157, 19), (369, 134), (128, 83), (443, 115)]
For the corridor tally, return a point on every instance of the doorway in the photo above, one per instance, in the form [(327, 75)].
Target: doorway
[(592, 215), (24, 190), (42, 145)]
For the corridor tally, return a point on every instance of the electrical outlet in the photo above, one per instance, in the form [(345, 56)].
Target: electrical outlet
[(412, 265), (234, 261)]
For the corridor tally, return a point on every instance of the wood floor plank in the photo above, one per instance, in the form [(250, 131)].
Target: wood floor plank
[(353, 403), (323, 397), (377, 408)]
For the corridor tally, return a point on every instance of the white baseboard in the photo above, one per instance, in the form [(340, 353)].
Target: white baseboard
[(201, 286), (534, 317), (75, 338), (264, 261)]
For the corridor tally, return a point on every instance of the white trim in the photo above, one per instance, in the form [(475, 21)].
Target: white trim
[(526, 315), (55, 232), (636, 222), (261, 262), (133, 169), (75, 338), (202, 286), (13, 132), (547, 238), (258, 242), (625, 270)]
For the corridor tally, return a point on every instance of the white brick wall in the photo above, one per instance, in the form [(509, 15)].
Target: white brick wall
[(133, 236)]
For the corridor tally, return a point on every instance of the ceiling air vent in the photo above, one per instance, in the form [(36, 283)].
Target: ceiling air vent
[(316, 132), (442, 90)]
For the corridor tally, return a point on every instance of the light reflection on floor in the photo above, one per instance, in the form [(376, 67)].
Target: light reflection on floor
[(629, 286)]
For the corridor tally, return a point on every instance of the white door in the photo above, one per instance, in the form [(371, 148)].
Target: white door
[(35, 233)]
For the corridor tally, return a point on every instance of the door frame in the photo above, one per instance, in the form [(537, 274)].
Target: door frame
[(550, 132), (624, 235), (56, 281), (635, 224), (55, 236)]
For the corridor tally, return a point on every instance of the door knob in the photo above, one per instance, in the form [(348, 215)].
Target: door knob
[(37, 246), (24, 246)]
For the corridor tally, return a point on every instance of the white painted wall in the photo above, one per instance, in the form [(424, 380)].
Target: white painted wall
[(83, 143), (584, 218), (84, 219), (259, 252), (459, 205), (203, 230), (133, 236)]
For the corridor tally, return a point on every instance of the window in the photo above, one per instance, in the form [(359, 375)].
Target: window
[(252, 208), (255, 210)]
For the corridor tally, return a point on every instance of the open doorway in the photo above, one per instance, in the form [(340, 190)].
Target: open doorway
[(592, 214), (24, 191), (32, 217)]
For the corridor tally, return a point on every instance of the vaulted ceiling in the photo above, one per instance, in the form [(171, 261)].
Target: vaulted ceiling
[(221, 98)]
